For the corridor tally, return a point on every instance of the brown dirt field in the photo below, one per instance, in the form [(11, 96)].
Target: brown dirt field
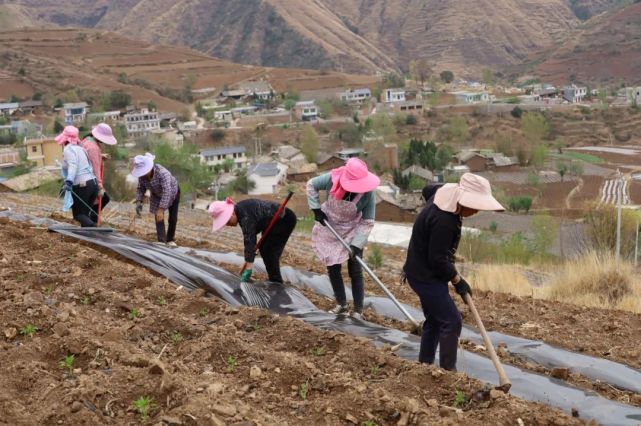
[(177, 350), (9, 87)]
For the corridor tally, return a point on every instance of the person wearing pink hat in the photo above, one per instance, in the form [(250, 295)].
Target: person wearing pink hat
[(254, 216), (164, 195), (429, 266), (101, 134), (79, 176), (350, 209)]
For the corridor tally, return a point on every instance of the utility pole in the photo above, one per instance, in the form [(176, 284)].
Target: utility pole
[(619, 197), (636, 247)]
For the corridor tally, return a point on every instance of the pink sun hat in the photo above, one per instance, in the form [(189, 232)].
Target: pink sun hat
[(357, 178), (142, 165), (472, 191), (103, 133), (221, 212), (69, 134)]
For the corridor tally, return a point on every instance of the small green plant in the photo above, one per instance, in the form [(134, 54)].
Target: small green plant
[(49, 290), (176, 338), (375, 370), (135, 313), (231, 363), (86, 300), (143, 406), (320, 351), (493, 226), (204, 312), (256, 326), (459, 399), (21, 277), (162, 301), (303, 389), (369, 423), (28, 330), (375, 257), (67, 363)]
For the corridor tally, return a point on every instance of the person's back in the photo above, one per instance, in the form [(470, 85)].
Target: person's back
[(257, 212)]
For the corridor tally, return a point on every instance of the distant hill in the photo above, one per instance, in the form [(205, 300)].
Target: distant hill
[(605, 50)]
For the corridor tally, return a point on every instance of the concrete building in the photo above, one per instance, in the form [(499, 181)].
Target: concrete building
[(574, 94), (418, 171), (43, 152), (9, 158), (356, 95), (475, 161), (7, 109), (348, 153), (472, 97), (75, 113), (141, 123), (306, 110), (394, 95), (267, 177), (22, 128), (217, 156), (258, 89), (109, 117)]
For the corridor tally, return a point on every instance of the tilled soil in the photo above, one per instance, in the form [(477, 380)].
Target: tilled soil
[(134, 334)]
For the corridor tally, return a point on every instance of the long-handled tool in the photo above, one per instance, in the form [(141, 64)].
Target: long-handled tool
[(371, 273), (264, 234), (504, 382), (102, 176)]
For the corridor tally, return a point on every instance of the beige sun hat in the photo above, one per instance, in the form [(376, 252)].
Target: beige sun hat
[(472, 191)]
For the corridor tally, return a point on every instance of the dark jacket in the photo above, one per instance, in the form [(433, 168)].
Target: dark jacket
[(254, 217), (435, 238)]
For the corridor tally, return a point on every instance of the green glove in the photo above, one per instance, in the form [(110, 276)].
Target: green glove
[(247, 273)]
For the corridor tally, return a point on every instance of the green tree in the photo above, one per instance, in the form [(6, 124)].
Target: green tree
[(539, 153), (516, 112), (184, 163), (562, 168), (505, 145), (447, 76), (151, 106), (544, 230), (57, 126), (392, 80), (576, 168), (350, 133), (444, 155), (535, 126), (488, 77), (416, 183), (116, 100), (325, 108), (382, 125), (288, 104), (243, 184), (310, 143)]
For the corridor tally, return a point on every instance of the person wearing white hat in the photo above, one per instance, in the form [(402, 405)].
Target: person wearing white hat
[(164, 195), (101, 134), (429, 266)]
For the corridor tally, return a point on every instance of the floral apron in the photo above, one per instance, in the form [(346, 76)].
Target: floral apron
[(343, 216)]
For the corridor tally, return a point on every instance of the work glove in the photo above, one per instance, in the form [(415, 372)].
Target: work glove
[(247, 273), (356, 251), (138, 208), (101, 192), (463, 288), (320, 216), (68, 185)]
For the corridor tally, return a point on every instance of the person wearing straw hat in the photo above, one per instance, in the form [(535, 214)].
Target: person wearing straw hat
[(254, 216), (429, 266), (101, 134), (79, 177), (164, 195), (350, 209)]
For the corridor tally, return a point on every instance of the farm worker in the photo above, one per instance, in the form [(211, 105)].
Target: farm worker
[(101, 134), (164, 195), (79, 178), (254, 216), (350, 209), (430, 261)]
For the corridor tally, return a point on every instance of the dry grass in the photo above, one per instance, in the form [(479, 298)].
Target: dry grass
[(593, 280), (501, 279)]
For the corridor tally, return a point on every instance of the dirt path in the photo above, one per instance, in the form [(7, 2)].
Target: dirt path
[(133, 334)]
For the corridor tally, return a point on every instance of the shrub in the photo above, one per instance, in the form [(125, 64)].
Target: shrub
[(516, 204), (218, 135), (411, 120), (375, 257), (516, 112)]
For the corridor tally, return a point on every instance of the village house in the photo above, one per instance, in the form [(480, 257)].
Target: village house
[(631, 95), (348, 153), (394, 95), (391, 209), (327, 162), (306, 110), (475, 161), (418, 171), (408, 106), (110, 117), (187, 126), (289, 155), (216, 156), (223, 115), (43, 152), (546, 92), (8, 109), (28, 107), (574, 94), (267, 177), (22, 128), (258, 89), (235, 94), (141, 123), (75, 112), (9, 158), (472, 97), (355, 95), (301, 173), (238, 112)]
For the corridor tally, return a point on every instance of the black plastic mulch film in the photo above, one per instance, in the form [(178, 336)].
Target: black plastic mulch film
[(189, 269)]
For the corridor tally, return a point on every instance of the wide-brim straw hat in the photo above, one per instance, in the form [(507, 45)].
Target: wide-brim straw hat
[(142, 165), (69, 134), (472, 191), (103, 133), (221, 212)]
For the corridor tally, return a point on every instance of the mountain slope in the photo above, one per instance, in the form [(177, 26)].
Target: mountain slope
[(606, 49)]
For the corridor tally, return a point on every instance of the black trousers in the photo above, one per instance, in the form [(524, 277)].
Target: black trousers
[(172, 222), (94, 213), (272, 248), (84, 197), (443, 323), (355, 272)]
